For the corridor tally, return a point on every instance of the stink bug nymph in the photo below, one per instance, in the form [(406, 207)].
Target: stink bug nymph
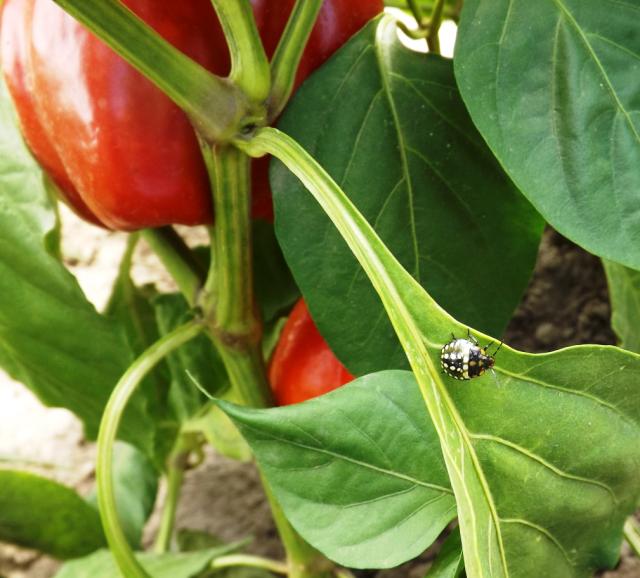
[(465, 359)]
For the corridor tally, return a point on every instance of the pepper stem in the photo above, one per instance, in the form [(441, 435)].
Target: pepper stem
[(228, 298)]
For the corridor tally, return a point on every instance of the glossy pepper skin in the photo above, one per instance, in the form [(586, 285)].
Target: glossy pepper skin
[(303, 366), (122, 154)]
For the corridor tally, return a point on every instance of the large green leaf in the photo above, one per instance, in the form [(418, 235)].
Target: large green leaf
[(358, 471), (624, 293), (39, 513), (51, 337), (389, 125), (175, 565), (553, 86), (543, 457)]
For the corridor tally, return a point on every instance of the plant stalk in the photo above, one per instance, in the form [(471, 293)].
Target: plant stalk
[(178, 259), (286, 59), (416, 10), (433, 40), (232, 322), (122, 393), (303, 561), (176, 465), (249, 63), (251, 562), (228, 298)]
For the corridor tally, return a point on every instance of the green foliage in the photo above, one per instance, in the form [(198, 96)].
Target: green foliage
[(552, 86), (546, 423), (358, 471), (389, 125), (175, 565), (449, 562), (39, 513), (624, 293), (51, 338), (276, 291), (198, 357)]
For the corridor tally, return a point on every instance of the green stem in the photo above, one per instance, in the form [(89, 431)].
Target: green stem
[(289, 52), (416, 10), (216, 107), (177, 463), (178, 259), (249, 63), (125, 388), (450, 12), (251, 562), (228, 299), (632, 534), (433, 41), (303, 561)]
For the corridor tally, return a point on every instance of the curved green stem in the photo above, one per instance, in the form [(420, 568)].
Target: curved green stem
[(632, 534), (251, 562), (249, 63), (178, 259), (216, 107), (125, 388), (286, 59)]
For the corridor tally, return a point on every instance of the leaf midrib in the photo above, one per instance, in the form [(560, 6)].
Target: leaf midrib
[(382, 60)]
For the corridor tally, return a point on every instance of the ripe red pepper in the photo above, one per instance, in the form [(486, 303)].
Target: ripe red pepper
[(121, 152), (302, 365)]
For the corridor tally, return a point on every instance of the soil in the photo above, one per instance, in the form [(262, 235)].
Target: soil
[(566, 303)]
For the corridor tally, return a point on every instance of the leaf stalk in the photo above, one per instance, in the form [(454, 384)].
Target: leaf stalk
[(111, 419)]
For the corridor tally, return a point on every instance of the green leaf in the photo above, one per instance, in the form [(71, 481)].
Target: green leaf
[(183, 565), (389, 125), (543, 457), (39, 513), (136, 483), (553, 87), (358, 471), (624, 293), (51, 337), (449, 562), (130, 306), (198, 357), (220, 431), (276, 291)]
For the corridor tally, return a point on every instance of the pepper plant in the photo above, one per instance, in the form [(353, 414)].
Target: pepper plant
[(410, 192)]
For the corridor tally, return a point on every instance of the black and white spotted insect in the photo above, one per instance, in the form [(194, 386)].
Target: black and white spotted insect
[(465, 359)]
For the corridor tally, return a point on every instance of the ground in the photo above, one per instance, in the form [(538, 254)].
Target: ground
[(566, 303)]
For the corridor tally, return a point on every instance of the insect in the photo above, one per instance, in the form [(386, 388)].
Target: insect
[(465, 359)]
